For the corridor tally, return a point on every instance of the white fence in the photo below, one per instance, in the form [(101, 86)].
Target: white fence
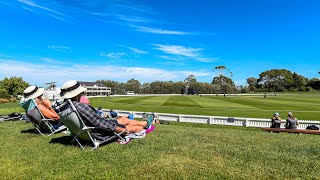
[(231, 121)]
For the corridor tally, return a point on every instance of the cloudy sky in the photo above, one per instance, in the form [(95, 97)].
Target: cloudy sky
[(59, 40)]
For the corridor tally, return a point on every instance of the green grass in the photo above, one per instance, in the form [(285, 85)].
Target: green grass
[(175, 151), (304, 107)]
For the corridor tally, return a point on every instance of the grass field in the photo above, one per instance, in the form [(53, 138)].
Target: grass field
[(303, 107), (175, 151)]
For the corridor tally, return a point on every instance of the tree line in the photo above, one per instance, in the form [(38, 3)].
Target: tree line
[(274, 80)]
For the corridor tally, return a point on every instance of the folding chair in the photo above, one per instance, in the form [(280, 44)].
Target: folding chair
[(41, 123), (71, 118)]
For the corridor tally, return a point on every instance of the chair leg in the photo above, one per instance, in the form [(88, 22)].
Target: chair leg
[(39, 131), (79, 144)]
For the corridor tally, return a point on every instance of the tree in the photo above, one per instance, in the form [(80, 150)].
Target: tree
[(190, 79), (226, 84), (299, 82), (133, 85), (252, 83), (276, 79), (13, 85)]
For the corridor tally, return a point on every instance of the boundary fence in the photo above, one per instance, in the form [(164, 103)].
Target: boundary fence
[(221, 120)]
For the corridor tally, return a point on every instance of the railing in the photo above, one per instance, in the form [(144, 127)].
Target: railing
[(231, 121)]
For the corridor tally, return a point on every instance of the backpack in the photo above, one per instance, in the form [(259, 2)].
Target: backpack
[(312, 127)]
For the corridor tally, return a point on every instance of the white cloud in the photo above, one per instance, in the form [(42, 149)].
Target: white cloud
[(59, 48), (159, 31), (112, 55), (52, 61), (41, 73), (138, 51), (33, 4), (171, 58), (132, 19), (194, 53)]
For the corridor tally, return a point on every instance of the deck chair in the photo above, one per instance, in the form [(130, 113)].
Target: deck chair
[(41, 123), (71, 118)]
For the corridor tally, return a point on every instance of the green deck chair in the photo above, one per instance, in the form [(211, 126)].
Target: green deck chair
[(41, 123), (71, 118)]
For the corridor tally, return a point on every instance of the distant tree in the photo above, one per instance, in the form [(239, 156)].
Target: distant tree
[(13, 85), (4, 94), (276, 79), (252, 83), (313, 83), (227, 85), (190, 79), (133, 85), (299, 82)]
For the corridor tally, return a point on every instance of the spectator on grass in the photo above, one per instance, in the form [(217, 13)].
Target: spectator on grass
[(291, 122), (276, 120), (34, 92), (73, 90)]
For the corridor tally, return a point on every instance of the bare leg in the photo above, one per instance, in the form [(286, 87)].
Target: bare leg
[(132, 129), (126, 121)]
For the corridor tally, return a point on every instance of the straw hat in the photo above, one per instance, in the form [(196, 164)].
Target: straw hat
[(32, 92), (71, 89)]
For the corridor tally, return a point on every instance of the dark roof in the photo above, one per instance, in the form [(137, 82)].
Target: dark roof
[(83, 83)]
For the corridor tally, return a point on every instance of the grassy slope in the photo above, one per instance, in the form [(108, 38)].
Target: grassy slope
[(304, 107), (175, 151)]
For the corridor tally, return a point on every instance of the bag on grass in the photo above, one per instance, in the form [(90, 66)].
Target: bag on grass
[(312, 127)]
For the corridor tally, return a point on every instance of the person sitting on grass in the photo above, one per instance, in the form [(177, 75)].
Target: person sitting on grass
[(73, 90), (276, 120), (291, 122), (33, 92)]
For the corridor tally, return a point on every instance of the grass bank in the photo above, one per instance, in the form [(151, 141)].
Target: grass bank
[(175, 151)]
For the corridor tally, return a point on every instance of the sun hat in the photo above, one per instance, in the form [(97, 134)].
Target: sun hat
[(289, 113), (276, 114), (32, 92), (71, 89)]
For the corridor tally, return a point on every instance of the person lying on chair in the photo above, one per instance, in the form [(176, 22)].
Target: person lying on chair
[(73, 90), (34, 92)]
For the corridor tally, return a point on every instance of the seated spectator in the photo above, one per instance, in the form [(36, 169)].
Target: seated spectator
[(33, 92), (73, 90), (291, 122), (276, 120)]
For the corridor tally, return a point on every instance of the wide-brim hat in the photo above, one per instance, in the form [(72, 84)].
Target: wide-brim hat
[(71, 89), (32, 92)]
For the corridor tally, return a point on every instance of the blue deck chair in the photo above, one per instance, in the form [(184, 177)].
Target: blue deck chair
[(71, 118), (41, 123)]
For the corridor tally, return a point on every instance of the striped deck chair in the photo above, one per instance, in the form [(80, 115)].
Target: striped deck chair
[(41, 123), (71, 118)]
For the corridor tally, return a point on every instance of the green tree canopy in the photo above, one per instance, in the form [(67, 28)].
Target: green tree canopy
[(13, 85)]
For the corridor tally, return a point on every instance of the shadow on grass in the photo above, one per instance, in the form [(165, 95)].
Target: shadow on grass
[(65, 140), (30, 131)]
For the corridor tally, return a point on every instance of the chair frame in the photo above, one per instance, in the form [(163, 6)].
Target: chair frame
[(85, 129), (44, 121)]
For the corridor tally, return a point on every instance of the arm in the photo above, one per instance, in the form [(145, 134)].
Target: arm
[(47, 111)]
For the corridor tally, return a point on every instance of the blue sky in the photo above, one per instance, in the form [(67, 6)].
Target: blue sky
[(57, 40)]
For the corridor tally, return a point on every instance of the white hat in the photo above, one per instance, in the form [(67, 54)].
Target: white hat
[(32, 92), (71, 89)]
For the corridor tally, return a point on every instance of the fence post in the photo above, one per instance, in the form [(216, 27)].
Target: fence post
[(209, 120), (246, 124), (179, 118)]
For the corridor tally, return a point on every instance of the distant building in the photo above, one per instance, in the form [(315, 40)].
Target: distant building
[(95, 89)]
